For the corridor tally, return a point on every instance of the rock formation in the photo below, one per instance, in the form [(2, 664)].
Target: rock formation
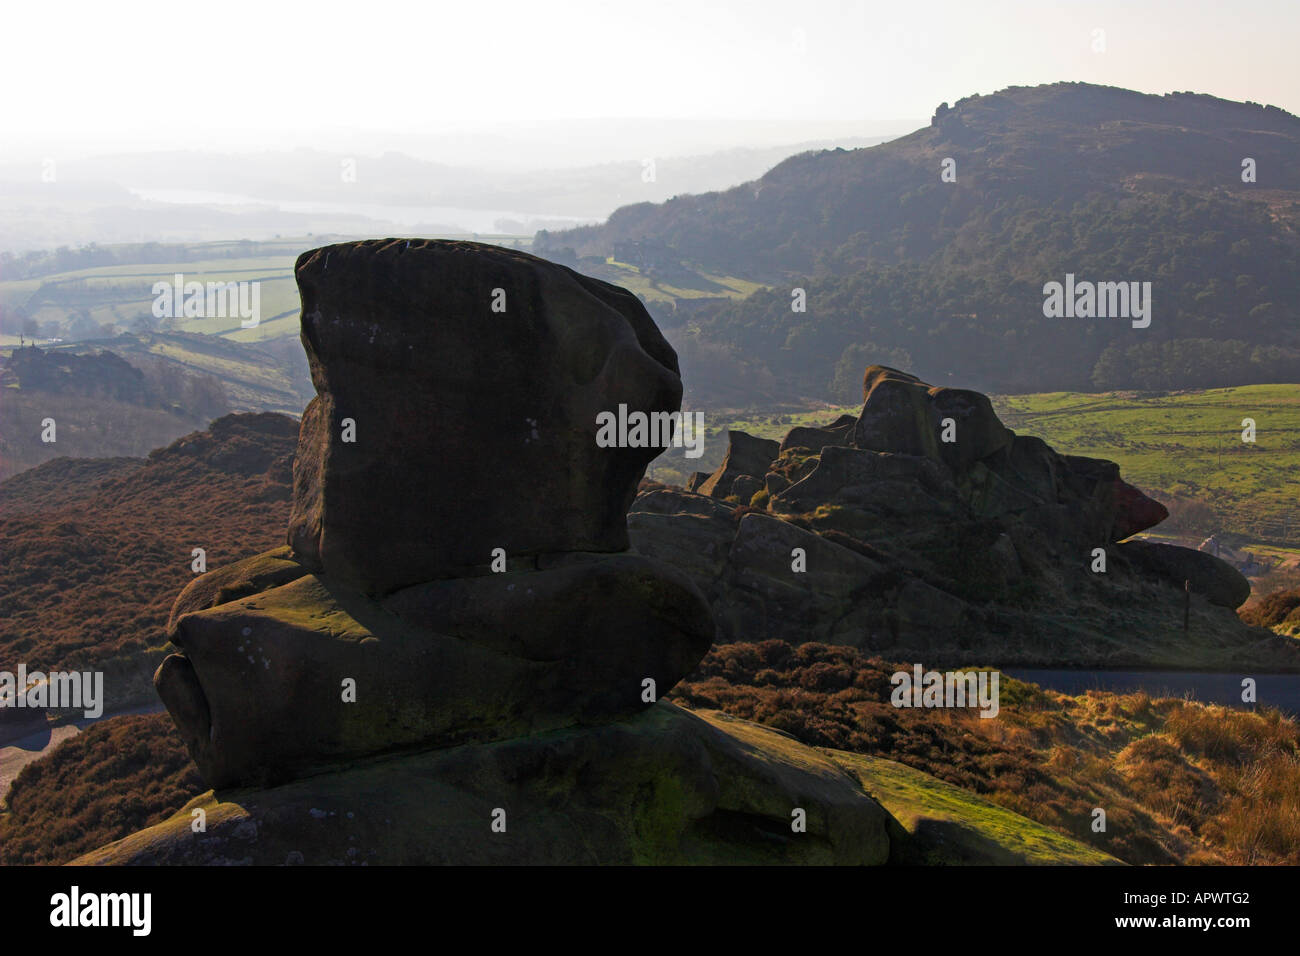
[(666, 787), (455, 569), (455, 628), (930, 531), (746, 457)]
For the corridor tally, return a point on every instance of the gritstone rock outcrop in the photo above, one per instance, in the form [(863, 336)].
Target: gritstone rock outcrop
[(380, 689), (932, 532), (445, 434)]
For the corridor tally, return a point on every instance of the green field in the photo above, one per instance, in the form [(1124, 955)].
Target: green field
[(123, 295), (699, 285)]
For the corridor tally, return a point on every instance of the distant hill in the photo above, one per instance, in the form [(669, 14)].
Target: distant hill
[(196, 195), (127, 395), (96, 404), (1102, 183)]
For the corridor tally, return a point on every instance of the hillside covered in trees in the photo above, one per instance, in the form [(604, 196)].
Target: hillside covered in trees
[(945, 274)]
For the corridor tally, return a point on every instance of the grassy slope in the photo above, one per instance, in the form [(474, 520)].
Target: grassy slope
[(701, 285), (1179, 781), (92, 564), (946, 824), (120, 294), (254, 380)]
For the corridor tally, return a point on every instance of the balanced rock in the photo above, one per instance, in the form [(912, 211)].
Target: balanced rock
[(457, 567)]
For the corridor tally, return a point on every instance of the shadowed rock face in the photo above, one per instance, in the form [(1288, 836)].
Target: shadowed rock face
[(1219, 582), (746, 456), (384, 624), (973, 551), (474, 428)]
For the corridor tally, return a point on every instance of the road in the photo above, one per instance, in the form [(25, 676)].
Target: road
[(16, 754)]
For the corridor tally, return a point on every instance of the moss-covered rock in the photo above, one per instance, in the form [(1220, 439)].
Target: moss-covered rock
[(234, 581), (262, 691), (668, 786)]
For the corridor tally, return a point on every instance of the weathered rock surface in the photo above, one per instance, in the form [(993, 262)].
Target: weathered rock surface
[(459, 572), (668, 786), (815, 439), (746, 456), (904, 415), (259, 693), (975, 551), (474, 425)]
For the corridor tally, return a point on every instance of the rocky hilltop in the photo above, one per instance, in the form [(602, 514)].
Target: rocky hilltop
[(926, 530), (913, 251), (460, 653), (102, 405), (456, 657)]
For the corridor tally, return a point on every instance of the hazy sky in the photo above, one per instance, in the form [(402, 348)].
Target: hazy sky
[(242, 75)]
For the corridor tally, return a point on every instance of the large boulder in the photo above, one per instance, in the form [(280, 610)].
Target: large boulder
[(995, 471), (458, 388), (303, 674), (459, 572), (746, 456), (1216, 580), (904, 415)]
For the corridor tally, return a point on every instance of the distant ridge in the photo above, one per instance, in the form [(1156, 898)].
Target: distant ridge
[(1068, 178)]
